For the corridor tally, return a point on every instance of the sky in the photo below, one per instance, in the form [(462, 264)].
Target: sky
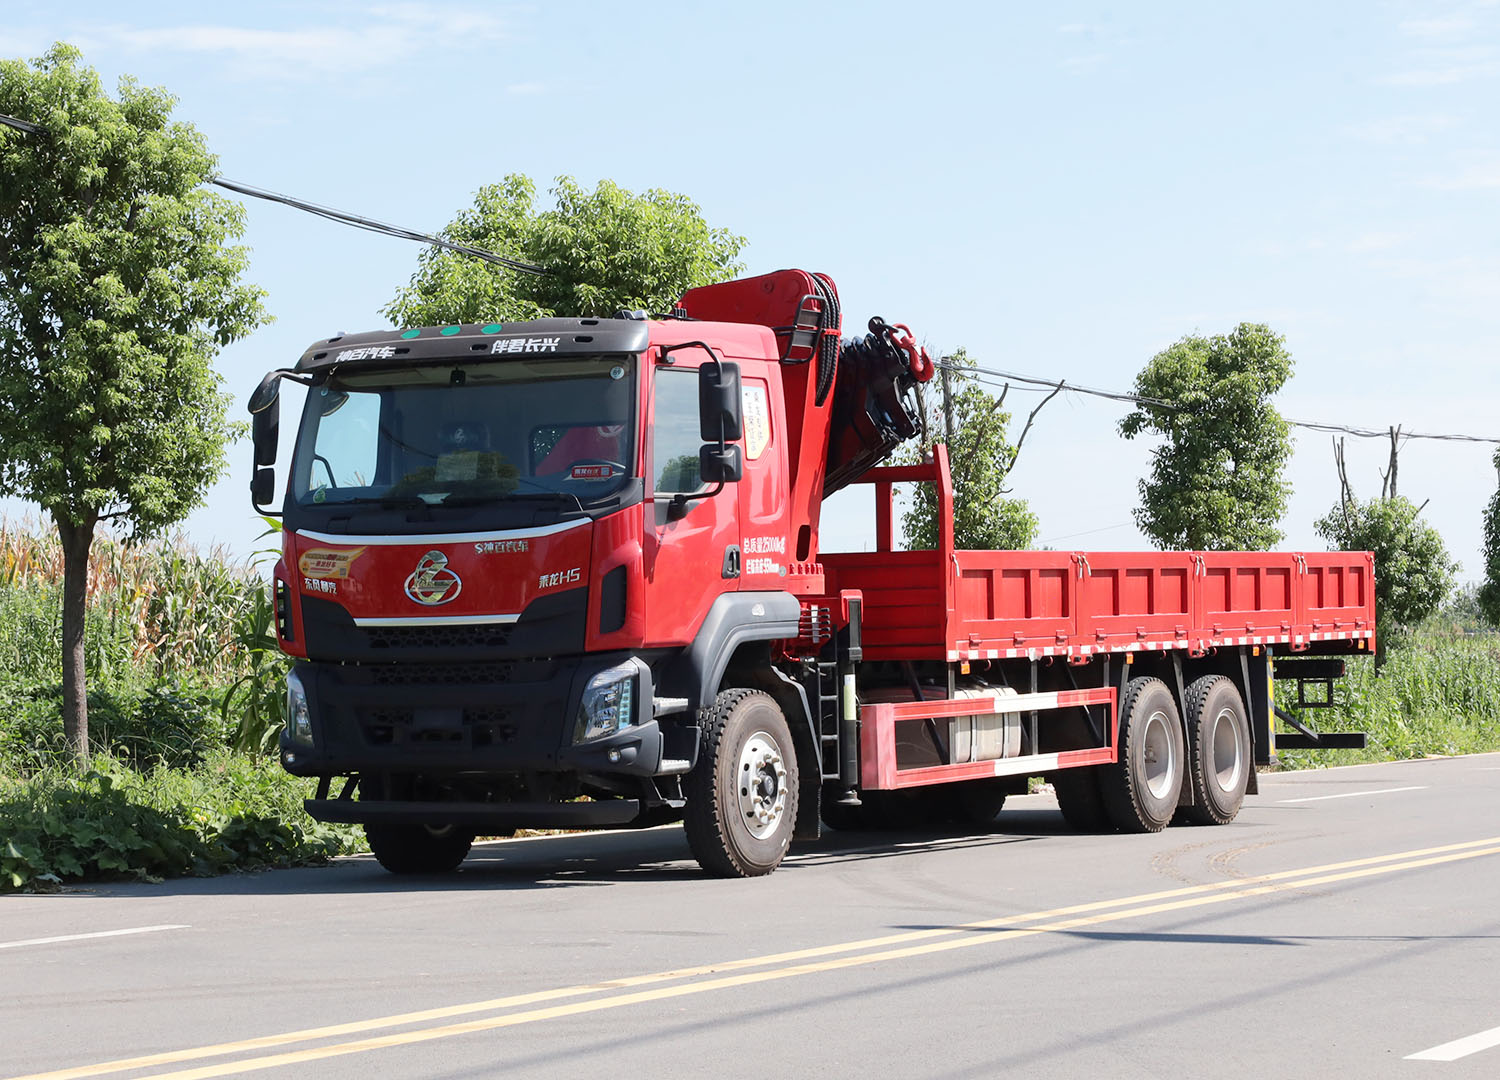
[(1063, 189)]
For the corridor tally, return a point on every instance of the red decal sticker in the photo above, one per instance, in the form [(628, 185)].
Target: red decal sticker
[(592, 472)]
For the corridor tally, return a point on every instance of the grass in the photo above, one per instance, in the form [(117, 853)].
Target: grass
[(1439, 693)]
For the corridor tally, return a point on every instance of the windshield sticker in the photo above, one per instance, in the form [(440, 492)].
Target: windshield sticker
[(490, 547), (328, 563), (369, 352), (562, 577), (530, 344), (591, 472), (757, 419)]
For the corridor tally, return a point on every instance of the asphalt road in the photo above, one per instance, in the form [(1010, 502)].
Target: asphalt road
[(1345, 925)]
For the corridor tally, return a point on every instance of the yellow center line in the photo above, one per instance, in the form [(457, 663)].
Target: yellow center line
[(958, 936)]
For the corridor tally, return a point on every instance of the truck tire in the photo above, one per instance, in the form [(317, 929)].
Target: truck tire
[(742, 795), (419, 849), (1142, 788), (1218, 744), (1079, 799), (979, 802), (841, 818)]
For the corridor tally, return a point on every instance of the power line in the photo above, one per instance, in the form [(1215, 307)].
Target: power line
[(1157, 403), (1030, 382), (343, 217), (399, 232)]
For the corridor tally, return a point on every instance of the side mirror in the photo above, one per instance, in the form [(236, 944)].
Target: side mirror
[(266, 393), (720, 465), (263, 487), (265, 429), (719, 404)]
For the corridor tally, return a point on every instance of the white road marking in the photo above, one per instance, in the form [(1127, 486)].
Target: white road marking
[(1452, 1051), (1355, 794), (96, 934)]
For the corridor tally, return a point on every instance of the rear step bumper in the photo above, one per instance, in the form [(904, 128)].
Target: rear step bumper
[(1323, 740), (515, 815)]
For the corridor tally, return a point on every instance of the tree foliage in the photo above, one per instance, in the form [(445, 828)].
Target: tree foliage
[(1413, 573), (981, 457), (605, 250), (121, 282), (1216, 482), (1489, 590)]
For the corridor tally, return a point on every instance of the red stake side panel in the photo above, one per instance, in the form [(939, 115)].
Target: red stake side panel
[(985, 605)]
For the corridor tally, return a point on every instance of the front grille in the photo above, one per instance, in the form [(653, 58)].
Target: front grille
[(478, 726), (437, 637), (460, 674)]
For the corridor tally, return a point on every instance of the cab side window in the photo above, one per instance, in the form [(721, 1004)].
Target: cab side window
[(675, 442)]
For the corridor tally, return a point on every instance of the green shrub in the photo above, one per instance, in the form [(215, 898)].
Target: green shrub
[(232, 812), (174, 723), (1437, 694)]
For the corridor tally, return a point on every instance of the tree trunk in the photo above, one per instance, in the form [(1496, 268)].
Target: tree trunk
[(77, 538)]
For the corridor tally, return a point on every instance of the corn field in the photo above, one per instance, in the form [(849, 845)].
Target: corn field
[(157, 610)]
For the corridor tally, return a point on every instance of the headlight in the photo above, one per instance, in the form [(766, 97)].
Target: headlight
[(608, 704), (298, 715)]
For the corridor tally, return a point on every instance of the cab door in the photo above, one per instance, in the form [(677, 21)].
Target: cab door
[(764, 511), (689, 560)]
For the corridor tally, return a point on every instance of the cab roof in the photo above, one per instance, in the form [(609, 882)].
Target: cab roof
[(466, 341)]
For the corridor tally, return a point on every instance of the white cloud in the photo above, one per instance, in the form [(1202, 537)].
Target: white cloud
[(1445, 67), (1368, 242), (1444, 26), (1478, 175), (369, 38), (1405, 130)]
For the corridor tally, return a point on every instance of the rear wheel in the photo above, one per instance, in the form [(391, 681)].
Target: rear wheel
[(1142, 788), (742, 795), (1079, 799), (979, 802), (419, 849), (1218, 750)]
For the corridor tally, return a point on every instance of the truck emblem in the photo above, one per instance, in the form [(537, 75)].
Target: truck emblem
[(432, 583)]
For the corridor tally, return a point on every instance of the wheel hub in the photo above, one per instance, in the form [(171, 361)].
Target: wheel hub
[(761, 784), (1228, 761), (1159, 755)]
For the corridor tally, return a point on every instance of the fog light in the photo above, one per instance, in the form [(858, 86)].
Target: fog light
[(614, 757)]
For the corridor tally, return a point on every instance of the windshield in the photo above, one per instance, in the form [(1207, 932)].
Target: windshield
[(469, 434)]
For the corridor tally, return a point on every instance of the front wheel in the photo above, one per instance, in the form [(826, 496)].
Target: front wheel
[(419, 849), (742, 795)]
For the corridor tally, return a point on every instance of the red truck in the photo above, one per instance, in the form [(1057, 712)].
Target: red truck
[(566, 574)]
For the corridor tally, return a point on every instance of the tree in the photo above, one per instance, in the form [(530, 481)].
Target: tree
[(981, 457), (120, 284), (1216, 483), (1413, 573), (1489, 591), (604, 250)]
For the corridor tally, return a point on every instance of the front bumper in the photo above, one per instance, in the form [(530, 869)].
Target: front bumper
[(509, 716)]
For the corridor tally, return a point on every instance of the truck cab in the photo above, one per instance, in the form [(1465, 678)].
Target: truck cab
[(518, 561)]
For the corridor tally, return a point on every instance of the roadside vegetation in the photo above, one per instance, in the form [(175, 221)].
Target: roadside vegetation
[(185, 701), (1437, 693)]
